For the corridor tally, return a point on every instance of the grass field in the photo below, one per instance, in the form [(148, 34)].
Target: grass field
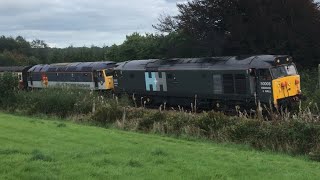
[(41, 149)]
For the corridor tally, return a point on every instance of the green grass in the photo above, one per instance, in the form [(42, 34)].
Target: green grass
[(32, 148)]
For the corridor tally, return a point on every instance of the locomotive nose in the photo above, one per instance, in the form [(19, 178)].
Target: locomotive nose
[(286, 87)]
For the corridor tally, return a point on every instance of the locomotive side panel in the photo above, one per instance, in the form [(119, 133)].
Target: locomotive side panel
[(130, 82), (185, 87), (84, 75)]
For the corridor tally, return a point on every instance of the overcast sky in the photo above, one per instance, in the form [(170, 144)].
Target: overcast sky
[(81, 22)]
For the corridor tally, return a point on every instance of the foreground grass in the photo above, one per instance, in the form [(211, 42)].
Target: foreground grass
[(39, 149)]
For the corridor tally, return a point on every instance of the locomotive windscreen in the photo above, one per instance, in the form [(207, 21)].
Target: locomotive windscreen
[(283, 71)]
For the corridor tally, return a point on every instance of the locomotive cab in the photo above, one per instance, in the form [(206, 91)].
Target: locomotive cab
[(279, 84), (104, 79), (285, 84)]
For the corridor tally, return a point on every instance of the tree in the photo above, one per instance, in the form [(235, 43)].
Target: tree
[(8, 87), (38, 44), (234, 27)]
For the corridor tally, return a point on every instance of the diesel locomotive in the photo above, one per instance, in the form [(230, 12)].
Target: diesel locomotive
[(85, 75), (213, 82)]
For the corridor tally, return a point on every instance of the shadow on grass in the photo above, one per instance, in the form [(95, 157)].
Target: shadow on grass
[(10, 151), (37, 155), (61, 125), (106, 162), (159, 152), (134, 163)]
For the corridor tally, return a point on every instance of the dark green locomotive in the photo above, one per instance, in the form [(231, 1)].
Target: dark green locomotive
[(215, 82)]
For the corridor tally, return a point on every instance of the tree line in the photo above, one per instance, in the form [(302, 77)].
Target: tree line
[(233, 27), (18, 51), (201, 28)]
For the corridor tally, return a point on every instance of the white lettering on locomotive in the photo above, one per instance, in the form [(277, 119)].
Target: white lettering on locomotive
[(265, 83), (266, 87)]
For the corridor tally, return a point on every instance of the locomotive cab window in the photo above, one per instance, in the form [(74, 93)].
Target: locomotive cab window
[(283, 71), (264, 75), (100, 73)]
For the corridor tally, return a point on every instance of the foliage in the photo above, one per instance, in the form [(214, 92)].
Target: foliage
[(107, 112), (309, 80), (294, 134), (8, 88), (310, 89), (60, 102), (234, 27), (18, 51), (298, 135), (150, 46)]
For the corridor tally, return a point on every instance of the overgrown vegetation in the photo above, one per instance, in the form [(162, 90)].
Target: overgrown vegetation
[(8, 90), (291, 133), (54, 101)]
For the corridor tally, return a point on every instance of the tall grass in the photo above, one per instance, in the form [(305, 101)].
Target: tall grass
[(290, 132), (294, 136), (59, 102), (8, 90)]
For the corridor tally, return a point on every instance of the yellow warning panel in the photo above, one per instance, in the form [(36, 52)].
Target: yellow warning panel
[(109, 82), (286, 87)]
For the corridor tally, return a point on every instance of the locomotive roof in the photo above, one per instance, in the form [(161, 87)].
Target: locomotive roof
[(210, 63), (73, 67), (13, 68)]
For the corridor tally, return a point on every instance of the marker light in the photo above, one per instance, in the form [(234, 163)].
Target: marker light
[(297, 81)]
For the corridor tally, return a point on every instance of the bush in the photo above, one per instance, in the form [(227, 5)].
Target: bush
[(108, 112), (60, 102), (176, 122), (295, 134), (214, 121), (8, 90), (146, 123)]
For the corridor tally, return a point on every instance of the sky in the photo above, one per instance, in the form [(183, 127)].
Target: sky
[(61, 23)]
